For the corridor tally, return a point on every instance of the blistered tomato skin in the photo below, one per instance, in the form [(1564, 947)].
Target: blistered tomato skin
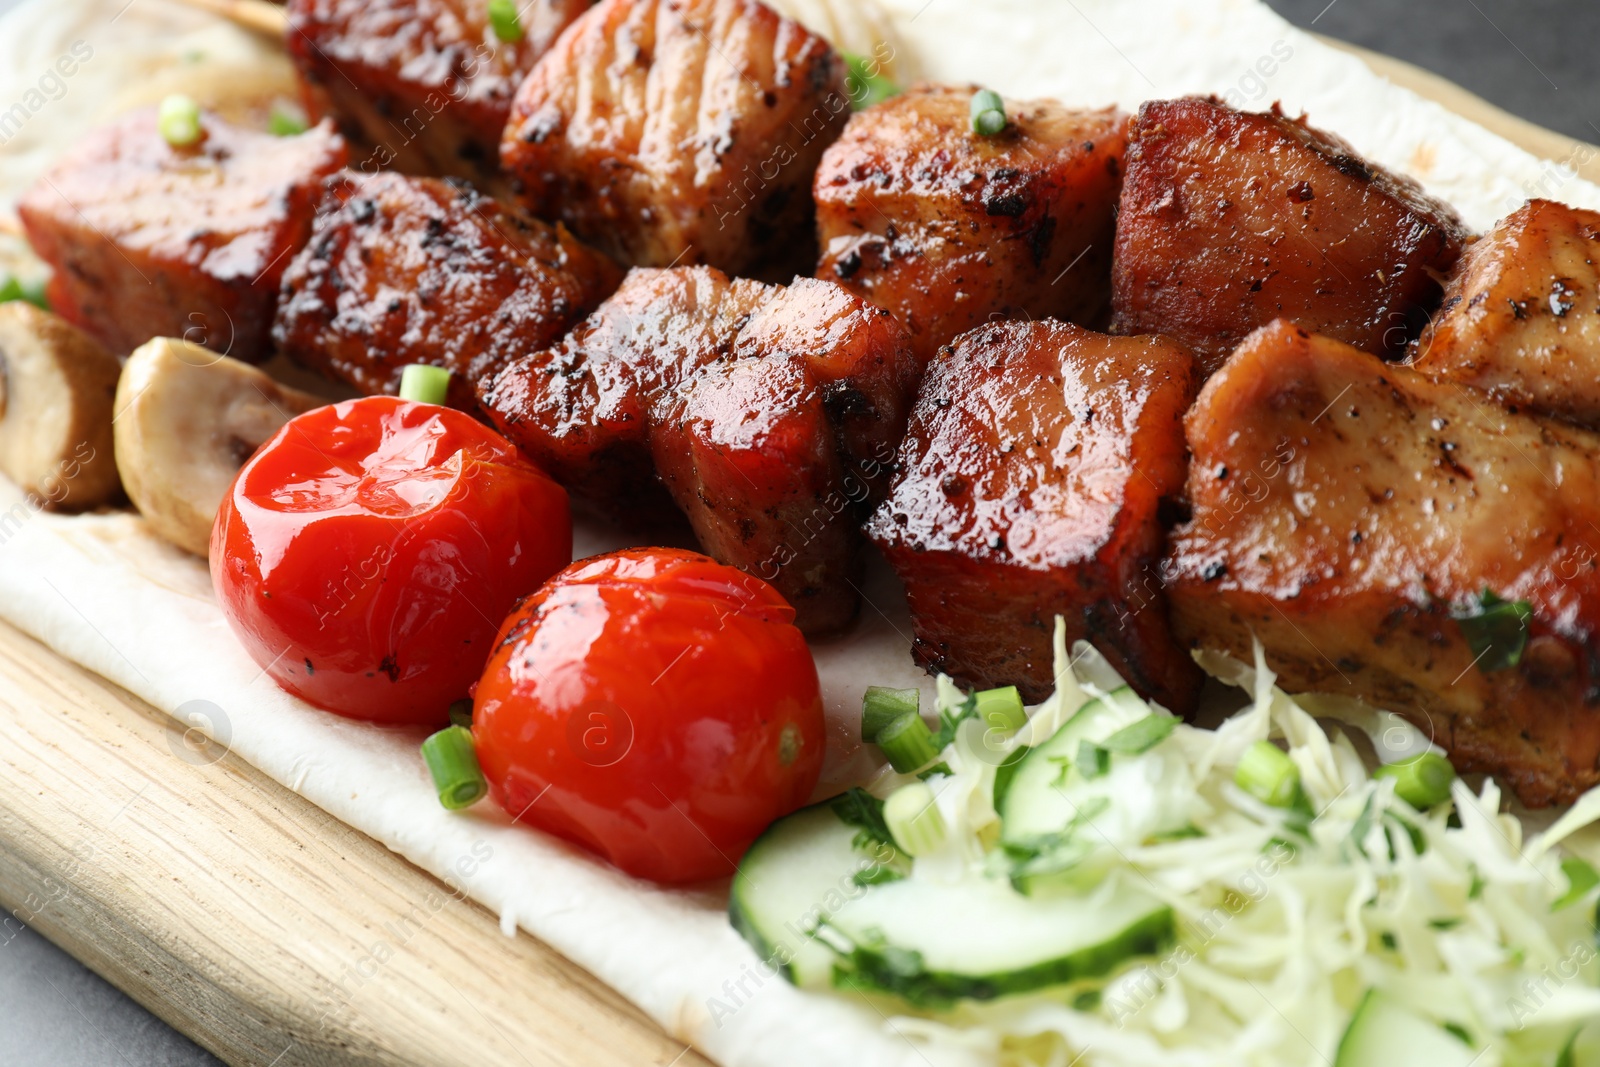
[(655, 707), (367, 553)]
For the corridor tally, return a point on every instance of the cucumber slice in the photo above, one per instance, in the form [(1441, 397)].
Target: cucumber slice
[(1382, 1033), (1035, 803), (802, 870), (932, 943)]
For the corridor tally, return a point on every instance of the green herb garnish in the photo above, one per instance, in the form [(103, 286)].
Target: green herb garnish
[(859, 808), (988, 113), (1496, 630)]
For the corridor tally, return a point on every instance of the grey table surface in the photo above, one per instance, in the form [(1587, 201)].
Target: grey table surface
[(1535, 58)]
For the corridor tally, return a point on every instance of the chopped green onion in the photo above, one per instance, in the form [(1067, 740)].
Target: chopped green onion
[(178, 119), (908, 743), (14, 288), (1001, 709), (866, 83), (1496, 630), (461, 713), (1581, 878), (424, 384), (988, 113), (882, 706), (453, 762), (1092, 760), (1141, 736), (1267, 773), (914, 819), (285, 119), (1422, 780), (503, 20)]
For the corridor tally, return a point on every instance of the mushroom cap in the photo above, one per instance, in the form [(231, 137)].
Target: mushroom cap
[(187, 419), (56, 389)]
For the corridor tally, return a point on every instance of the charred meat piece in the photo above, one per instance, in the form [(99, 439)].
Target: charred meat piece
[(771, 414), (746, 449), (580, 409), (423, 86), (1521, 314), (417, 270), (680, 132), (949, 229), (1231, 219), (1347, 511), (1033, 474), (148, 240)]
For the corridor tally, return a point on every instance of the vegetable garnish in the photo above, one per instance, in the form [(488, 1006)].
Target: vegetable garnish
[(866, 82), (908, 743), (453, 762), (882, 706), (655, 707), (178, 119), (367, 552), (424, 383), (1421, 781), (912, 815), (1002, 709), (1112, 887), (1268, 774), (286, 119), (13, 288), (504, 20), (988, 113), (1496, 630), (461, 713)]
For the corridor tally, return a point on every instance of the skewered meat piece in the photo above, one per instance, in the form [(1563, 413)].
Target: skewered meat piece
[(1231, 219), (1034, 473), (949, 229), (681, 131), (423, 86), (1521, 314), (1346, 511), (771, 414), (417, 270), (148, 240), (746, 449)]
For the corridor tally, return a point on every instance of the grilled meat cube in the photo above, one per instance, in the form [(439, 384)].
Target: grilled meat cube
[(628, 381), (1344, 509), (1231, 219), (1033, 474), (581, 409), (417, 270), (148, 240), (746, 449), (680, 132), (423, 86), (949, 229), (1521, 314)]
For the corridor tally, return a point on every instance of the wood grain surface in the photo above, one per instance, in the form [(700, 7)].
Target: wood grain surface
[(250, 919), (273, 934)]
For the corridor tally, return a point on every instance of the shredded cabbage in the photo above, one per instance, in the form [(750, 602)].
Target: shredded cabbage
[(1283, 926)]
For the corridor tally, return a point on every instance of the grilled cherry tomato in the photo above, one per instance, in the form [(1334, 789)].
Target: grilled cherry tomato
[(655, 707), (367, 552)]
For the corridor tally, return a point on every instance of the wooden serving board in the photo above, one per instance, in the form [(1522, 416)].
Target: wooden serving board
[(267, 930)]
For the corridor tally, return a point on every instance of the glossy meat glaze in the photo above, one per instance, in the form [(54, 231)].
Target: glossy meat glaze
[(949, 229), (1345, 508)]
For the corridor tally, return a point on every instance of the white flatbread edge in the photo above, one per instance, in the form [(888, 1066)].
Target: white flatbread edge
[(102, 592)]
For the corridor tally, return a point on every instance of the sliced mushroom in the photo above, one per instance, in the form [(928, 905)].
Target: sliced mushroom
[(56, 385), (187, 419)]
